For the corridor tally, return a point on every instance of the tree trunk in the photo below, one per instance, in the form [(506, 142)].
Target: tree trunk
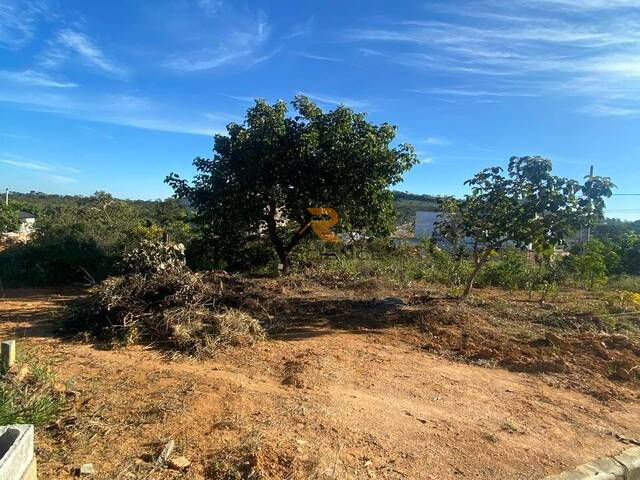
[(281, 249), (476, 269), (286, 264)]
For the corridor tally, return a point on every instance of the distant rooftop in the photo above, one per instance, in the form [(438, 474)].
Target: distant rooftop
[(25, 215)]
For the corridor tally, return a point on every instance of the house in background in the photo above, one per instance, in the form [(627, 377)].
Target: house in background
[(425, 224), (27, 222), (25, 229)]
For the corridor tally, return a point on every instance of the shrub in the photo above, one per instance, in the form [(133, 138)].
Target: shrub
[(629, 283), (55, 259), (87, 239), (589, 264), (9, 220), (441, 267), (510, 271)]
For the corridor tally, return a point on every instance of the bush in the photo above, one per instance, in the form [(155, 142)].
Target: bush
[(441, 267), (55, 259), (154, 256), (87, 240), (9, 220), (589, 264), (625, 282), (510, 270), (252, 256)]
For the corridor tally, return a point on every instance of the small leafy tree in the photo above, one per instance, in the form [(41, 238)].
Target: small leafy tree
[(591, 263), (527, 206), (9, 220), (266, 172)]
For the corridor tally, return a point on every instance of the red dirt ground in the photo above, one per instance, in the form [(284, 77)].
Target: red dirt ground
[(327, 397)]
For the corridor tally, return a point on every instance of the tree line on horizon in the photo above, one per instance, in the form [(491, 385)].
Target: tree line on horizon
[(248, 203)]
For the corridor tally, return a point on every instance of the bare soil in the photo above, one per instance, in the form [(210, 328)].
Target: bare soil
[(353, 383)]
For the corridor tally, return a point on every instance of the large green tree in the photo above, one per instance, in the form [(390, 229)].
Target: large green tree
[(265, 173), (527, 206)]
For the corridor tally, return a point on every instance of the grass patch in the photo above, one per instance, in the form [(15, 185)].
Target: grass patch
[(27, 394)]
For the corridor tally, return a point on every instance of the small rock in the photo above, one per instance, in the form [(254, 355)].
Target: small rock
[(179, 463), (164, 456), (86, 470)]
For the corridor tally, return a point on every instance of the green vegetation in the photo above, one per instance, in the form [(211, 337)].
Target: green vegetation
[(528, 206), (82, 239), (266, 173), (28, 394), (9, 220), (247, 207)]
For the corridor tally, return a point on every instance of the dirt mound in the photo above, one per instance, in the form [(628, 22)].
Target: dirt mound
[(521, 340)]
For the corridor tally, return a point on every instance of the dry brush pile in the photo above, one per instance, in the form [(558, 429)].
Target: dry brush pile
[(160, 300)]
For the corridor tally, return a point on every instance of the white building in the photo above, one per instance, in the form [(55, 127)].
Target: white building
[(27, 221), (25, 229), (425, 223)]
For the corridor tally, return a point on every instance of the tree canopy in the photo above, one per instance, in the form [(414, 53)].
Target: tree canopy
[(267, 172), (527, 206)]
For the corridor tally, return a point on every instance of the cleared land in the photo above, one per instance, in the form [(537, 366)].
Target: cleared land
[(355, 381)]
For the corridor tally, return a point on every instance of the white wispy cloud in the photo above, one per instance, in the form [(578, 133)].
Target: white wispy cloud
[(31, 77), (49, 171), (18, 136), (521, 49), (302, 29), (601, 110), (370, 52), (27, 165), (333, 100), (61, 179), (587, 4), (482, 149), (18, 21), (118, 109), (245, 47), (469, 92), (223, 117), (437, 141), (322, 58), (72, 45), (241, 98), (211, 7)]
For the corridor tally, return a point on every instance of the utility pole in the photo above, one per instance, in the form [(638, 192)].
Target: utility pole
[(589, 227), (6, 197)]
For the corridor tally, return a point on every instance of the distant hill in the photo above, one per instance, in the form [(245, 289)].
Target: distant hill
[(35, 202), (407, 204)]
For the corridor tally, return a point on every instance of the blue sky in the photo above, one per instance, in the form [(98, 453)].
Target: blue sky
[(115, 95)]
